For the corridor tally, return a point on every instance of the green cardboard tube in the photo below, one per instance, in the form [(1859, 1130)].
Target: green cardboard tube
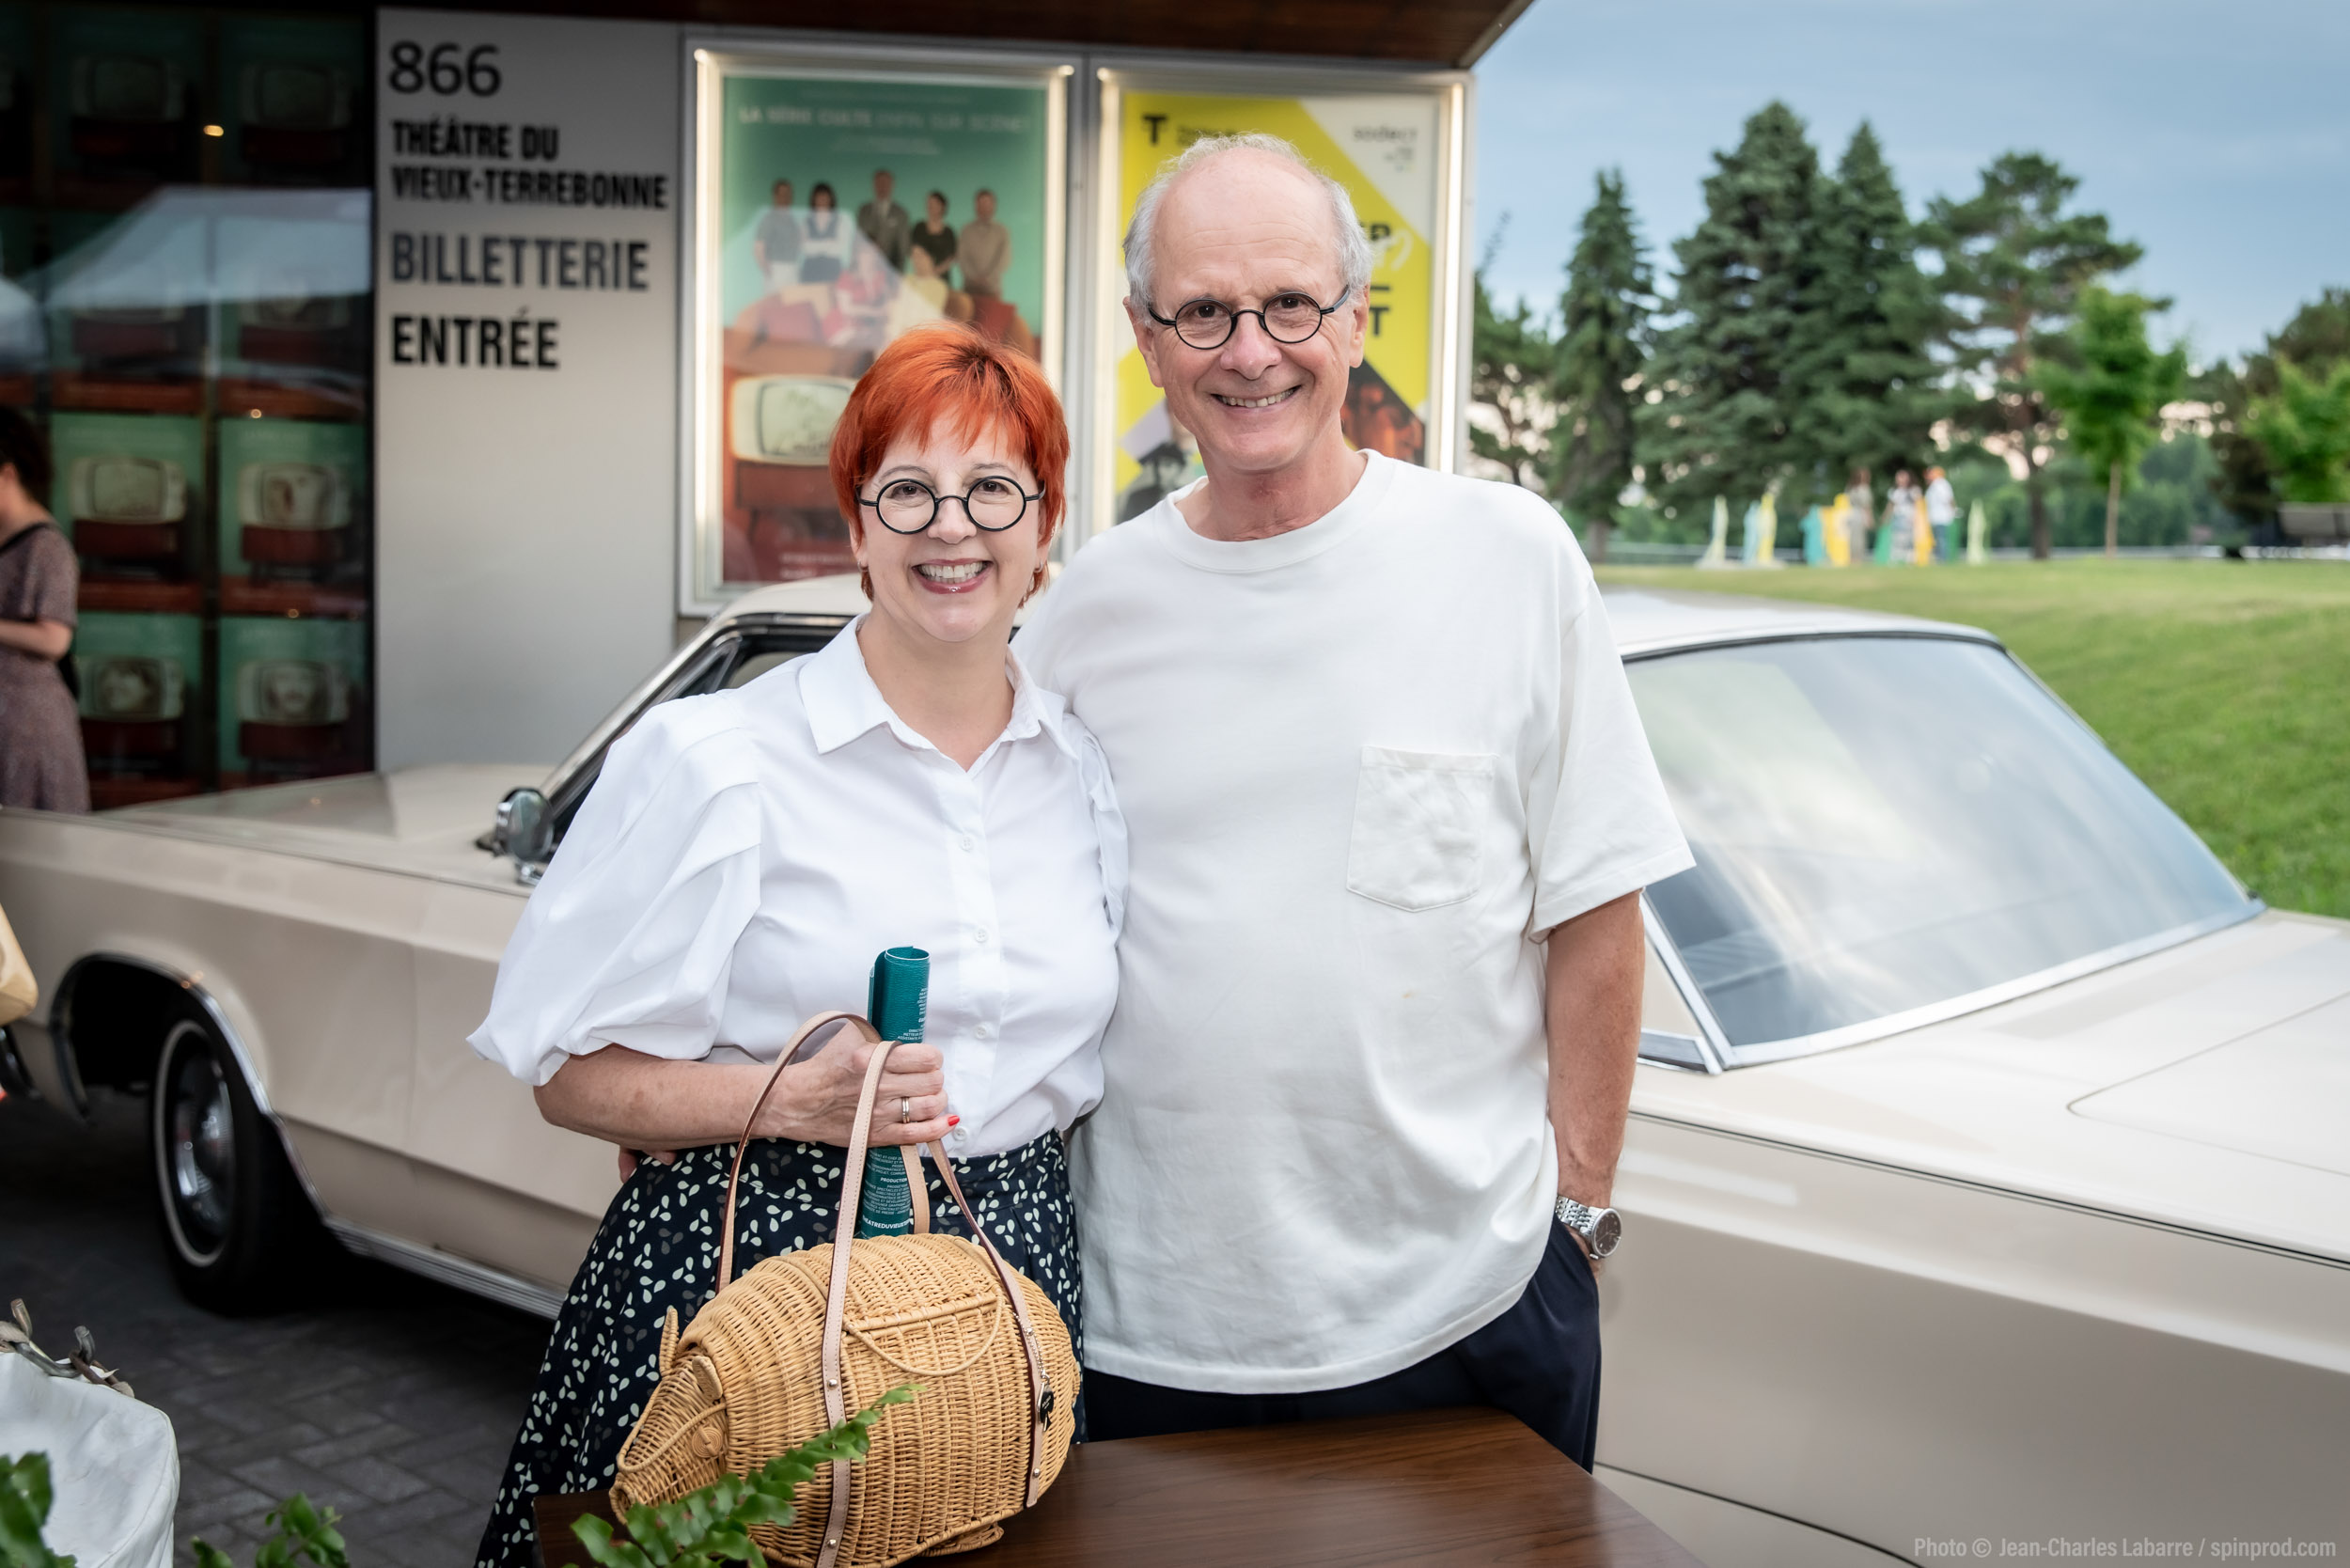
[(898, 1002)]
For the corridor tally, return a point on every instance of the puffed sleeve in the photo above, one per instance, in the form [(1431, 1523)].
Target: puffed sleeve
[(629, 939)]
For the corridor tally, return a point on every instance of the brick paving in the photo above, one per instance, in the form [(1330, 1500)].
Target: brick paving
[(387, 1397)]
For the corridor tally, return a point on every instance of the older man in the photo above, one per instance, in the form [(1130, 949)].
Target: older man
[(1390, 807)]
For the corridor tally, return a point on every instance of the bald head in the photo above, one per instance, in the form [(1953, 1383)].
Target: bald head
[(1218, 180)]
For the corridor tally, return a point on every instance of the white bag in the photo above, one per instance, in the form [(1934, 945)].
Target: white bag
[(113, 1466)]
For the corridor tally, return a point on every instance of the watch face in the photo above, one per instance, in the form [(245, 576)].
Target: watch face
[(1606, 1230)]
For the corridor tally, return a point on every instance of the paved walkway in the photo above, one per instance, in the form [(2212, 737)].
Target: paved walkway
[(390, 1398)]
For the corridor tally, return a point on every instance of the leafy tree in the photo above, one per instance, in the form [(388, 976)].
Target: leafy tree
[(2304, 432), (1510, 358), (1868, 391), (2317, 339), (1725, 368), (1602, 350), (2014, 262), (2111, 395)]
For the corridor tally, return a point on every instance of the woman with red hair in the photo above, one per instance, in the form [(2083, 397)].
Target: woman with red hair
[(745, 855)]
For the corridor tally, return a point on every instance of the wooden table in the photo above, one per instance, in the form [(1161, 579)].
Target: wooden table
[(1433, 1489)]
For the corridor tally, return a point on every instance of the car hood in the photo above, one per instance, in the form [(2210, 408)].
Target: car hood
[(2206, 1086), (420, 821)]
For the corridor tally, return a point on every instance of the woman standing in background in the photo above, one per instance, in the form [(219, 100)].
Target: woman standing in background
[(41, 726)]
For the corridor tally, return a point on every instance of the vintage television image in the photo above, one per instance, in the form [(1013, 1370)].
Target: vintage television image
[(126, 98), (139, 676), (837, 205), (290, 96), (1396, 146), (126, 300), (129, 491), (292, 701), (291, 509)]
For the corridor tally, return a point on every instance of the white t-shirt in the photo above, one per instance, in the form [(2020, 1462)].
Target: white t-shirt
[(1361, 764)]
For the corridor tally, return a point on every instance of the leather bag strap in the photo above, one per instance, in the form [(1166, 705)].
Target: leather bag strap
[(1040, 1396)]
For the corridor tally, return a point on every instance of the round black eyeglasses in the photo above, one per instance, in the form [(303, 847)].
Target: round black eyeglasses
[(1289, 318), (909, 505)]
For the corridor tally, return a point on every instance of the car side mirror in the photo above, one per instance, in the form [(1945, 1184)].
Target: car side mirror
[(525, 831)]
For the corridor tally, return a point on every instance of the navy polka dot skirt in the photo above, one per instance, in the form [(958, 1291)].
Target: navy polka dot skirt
[(658, 1248)]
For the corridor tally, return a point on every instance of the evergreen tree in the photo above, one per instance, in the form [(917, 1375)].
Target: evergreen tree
[(2304, 432), (2013, 262), (1725, 367), (1869, 392), (2315, 340), (1511, 364), (2112, 391), (1602, 350)]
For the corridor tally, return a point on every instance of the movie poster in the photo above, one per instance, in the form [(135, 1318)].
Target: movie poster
[(294, 700), (850, 209), (1384, 147)]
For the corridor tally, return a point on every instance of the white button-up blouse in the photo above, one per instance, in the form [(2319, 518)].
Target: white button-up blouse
[(744, 857)]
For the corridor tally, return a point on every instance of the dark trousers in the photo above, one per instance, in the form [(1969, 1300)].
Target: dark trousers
[(1539, 1361)]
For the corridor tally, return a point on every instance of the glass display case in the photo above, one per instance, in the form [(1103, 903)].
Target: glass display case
[(185, 305)]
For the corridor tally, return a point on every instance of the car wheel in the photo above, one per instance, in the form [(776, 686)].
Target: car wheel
[(236, 1225)]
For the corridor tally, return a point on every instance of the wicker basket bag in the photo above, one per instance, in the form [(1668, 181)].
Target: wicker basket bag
[(802, 1340)]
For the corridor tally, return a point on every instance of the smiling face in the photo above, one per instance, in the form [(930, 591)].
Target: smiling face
[(1243, 229), (954, 582)]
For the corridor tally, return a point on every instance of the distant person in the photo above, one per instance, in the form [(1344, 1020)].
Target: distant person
[(1861, 518), (1899, 530), (984, 250), (775, 242), (1941, 511), (42, 767), (933, 253), (1163, 470), (884, 222), (826, 242)]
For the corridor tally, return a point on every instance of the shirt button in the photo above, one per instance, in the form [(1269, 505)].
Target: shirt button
[(966, 842), (979, 937), (983, 1031)]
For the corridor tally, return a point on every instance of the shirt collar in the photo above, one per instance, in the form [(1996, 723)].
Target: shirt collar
[(841, 701)]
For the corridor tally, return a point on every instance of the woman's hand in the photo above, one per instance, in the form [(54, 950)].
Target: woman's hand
[(815, 1101)]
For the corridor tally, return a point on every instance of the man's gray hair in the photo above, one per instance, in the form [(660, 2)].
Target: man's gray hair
[(1353, 249)]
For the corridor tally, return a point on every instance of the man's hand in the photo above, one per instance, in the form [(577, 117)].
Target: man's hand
[(1592, 1017)]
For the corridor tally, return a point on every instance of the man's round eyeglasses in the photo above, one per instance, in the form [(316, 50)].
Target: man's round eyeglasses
[(1289, 318), (909, 505)]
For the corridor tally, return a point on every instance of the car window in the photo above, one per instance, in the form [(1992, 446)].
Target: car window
[(733, 658), (1883, 823)]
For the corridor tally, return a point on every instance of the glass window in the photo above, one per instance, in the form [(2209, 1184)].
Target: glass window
[(1880, 824), (184, 308)]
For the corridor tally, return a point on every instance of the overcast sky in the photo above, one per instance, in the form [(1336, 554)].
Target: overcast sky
[(2217, 135)]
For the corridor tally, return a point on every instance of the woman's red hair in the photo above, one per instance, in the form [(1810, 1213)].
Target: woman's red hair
[(943, 370)]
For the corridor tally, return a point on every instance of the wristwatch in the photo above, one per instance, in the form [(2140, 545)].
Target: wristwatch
[(1600, 1228)]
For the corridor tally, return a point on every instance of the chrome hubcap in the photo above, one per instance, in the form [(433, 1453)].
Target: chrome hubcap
[(199, 1149)]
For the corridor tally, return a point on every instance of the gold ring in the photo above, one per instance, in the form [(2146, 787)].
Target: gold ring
[(905, 1110)]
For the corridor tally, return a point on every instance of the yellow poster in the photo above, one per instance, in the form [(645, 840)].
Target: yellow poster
[(1384, 149)]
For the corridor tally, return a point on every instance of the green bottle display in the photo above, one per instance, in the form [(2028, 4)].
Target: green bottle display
[(898, 1003)]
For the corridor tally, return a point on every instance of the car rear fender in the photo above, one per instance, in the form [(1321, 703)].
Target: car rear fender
[(107, 1023)]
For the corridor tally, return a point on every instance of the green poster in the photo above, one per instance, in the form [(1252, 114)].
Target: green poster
[(139, 676), (290, 94), (128, 486), (126, 95), (850, 211), (289, 493), (293, 698)]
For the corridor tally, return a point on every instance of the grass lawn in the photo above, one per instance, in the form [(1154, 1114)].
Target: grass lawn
[(2224, 685)]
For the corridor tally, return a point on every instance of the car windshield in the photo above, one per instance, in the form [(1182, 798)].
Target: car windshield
[(1883, 823)]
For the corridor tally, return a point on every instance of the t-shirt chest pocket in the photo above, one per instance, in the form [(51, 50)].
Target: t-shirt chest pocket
[(1421, 819)]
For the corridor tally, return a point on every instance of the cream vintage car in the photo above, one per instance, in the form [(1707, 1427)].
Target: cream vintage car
[(1988, 1179)]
